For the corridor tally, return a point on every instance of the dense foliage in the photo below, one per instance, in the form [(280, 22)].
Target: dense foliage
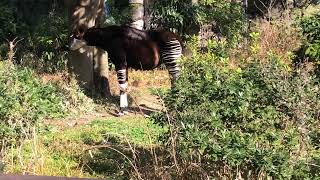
[(311, 30), (185, 18), (116, 12), (24, 100), (43, 34), (255, 120)]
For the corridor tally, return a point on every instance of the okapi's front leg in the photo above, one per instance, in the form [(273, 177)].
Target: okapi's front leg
[(122, 75)]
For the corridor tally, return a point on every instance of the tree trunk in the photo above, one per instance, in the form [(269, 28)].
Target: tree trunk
[(88, 63), (137, 13), (101, 72), (147, 12)]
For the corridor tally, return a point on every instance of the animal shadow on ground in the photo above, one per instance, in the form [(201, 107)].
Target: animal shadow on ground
[(143, 109)]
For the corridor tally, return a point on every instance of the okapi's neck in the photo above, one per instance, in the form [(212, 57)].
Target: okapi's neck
[(96, 37)]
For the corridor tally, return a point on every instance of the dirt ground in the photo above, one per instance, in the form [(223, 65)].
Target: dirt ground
[(142, 100)]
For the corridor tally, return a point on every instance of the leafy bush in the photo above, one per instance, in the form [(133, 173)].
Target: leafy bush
[(44, 34), (117, 12), (45, 49), (8, 26), (24, 100), (252, 121), (311, 30), (77, 102), (182, 17)]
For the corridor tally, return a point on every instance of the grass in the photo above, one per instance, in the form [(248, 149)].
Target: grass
[(100, 148), (94, 143)]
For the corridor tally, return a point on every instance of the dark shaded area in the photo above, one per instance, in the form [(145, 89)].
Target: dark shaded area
[(22, 19), (40, 28), (101, 85), (146, 110)]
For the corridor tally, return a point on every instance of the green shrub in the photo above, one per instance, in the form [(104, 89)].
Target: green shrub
[(24, 100), (182, 17), (77, 102), (253, 121), (44, 33), (311, 30), (117, 12), (45, 49)]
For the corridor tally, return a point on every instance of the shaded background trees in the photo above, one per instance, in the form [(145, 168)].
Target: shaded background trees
[(42, 26), (45, 26)]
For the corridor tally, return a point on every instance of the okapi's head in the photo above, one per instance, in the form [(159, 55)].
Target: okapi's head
[(77, 39)]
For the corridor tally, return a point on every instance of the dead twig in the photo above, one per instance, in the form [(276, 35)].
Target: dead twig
[(173, 135), (12, 48), (134, 100)]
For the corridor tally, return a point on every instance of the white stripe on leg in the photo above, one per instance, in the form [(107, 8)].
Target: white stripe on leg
[(123, 100)]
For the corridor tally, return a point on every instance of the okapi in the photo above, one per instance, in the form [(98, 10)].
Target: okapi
[(130, 47)]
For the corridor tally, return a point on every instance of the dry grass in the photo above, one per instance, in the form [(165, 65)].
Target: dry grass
[(279, 38), (142, 80), (158, 78)]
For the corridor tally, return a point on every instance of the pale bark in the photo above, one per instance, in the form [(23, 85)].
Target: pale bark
[(89, 64), (137, 13)]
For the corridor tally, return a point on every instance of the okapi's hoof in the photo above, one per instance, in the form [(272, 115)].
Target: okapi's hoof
[(123, 111), (120, 114)]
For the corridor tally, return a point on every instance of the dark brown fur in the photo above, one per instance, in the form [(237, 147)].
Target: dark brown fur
[(128, 47)]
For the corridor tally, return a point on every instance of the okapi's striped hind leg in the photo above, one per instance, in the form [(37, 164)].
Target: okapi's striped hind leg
[(122, 75), (171, 52)]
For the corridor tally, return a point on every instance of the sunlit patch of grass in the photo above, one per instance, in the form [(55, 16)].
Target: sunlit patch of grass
[(140, 131), (39, 158), (64, 152), (137, 130)]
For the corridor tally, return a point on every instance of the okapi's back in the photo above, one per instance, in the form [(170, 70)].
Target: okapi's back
[(162, 36), (133, 33)]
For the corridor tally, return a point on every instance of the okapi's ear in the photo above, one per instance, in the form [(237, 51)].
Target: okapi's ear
[(82, 29), (79, 32)]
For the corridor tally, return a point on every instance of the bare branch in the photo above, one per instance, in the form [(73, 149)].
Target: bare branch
[(19, 41), (12, 48), (14, 39)]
